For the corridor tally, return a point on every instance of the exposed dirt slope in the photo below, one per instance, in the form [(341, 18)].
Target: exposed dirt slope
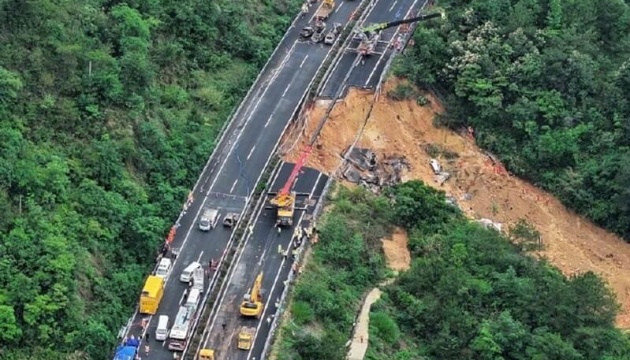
[(571, 242), (397, 254)]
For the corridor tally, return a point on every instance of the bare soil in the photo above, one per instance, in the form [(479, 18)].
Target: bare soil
[(397, 254), (571, 242)]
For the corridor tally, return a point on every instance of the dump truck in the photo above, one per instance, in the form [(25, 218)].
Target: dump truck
[(325, 9), (246, 337), (151, 295), (252, 303)]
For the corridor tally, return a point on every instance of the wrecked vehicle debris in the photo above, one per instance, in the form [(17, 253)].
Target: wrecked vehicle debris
[(365, 169)]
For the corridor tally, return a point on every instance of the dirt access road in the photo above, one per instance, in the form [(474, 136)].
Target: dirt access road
[(571, 243)]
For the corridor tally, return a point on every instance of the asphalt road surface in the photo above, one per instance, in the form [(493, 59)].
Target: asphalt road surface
[(367, 74), (260, 254), (238, 162)]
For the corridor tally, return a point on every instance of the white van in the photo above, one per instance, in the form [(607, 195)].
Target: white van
[(164, 268), (188, 272), (208, 219), (193, 298), (161, 333)]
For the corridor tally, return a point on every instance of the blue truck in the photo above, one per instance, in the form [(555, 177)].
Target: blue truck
[(128, 350)]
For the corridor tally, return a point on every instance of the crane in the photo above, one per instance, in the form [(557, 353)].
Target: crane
[(285, 199), (252, 304), (369, 35)]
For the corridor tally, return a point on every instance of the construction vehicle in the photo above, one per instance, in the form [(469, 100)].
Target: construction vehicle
[(325, 9), (369, 35), (246, 337), (332, 34), (252, 304), (285, 199), (151, 295), (127, 350), (206, 354)]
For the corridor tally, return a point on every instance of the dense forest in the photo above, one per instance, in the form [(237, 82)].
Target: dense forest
[(108, 112), (470, 293), (544, 84)]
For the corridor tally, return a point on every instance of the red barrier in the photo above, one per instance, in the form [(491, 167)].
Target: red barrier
[(171, 234)]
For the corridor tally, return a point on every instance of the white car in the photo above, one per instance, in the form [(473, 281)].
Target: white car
[(164, 268)]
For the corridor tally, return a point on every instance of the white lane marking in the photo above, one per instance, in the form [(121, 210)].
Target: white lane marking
[(303, 61), (253, 111), (251, 152), (199, 258), (285, 91), (269, 119), (338, 7), (234, 185), (310, 196), (394, 4), (219, 304)]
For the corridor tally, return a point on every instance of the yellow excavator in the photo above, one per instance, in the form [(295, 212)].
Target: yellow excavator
[(252, 304)]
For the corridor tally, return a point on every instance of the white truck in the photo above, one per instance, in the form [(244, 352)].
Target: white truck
[(198, 277), (179, 331), (208, 219)]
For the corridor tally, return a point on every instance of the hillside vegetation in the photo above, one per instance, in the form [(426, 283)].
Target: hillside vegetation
[(544, 84), (108, 112), (470, 293)]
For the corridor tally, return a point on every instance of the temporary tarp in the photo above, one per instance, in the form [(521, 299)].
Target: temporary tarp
[(125, 353)]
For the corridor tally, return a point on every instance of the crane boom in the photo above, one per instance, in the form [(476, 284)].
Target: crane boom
[(387, 25), (296, 170)]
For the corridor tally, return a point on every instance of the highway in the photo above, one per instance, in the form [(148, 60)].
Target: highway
[(260, 253), (228, 180), (368, 73)]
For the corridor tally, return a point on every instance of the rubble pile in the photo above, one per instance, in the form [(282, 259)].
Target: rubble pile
[(365, 169)]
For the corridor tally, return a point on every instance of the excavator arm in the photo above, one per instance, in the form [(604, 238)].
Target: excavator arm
[(257, 286)]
